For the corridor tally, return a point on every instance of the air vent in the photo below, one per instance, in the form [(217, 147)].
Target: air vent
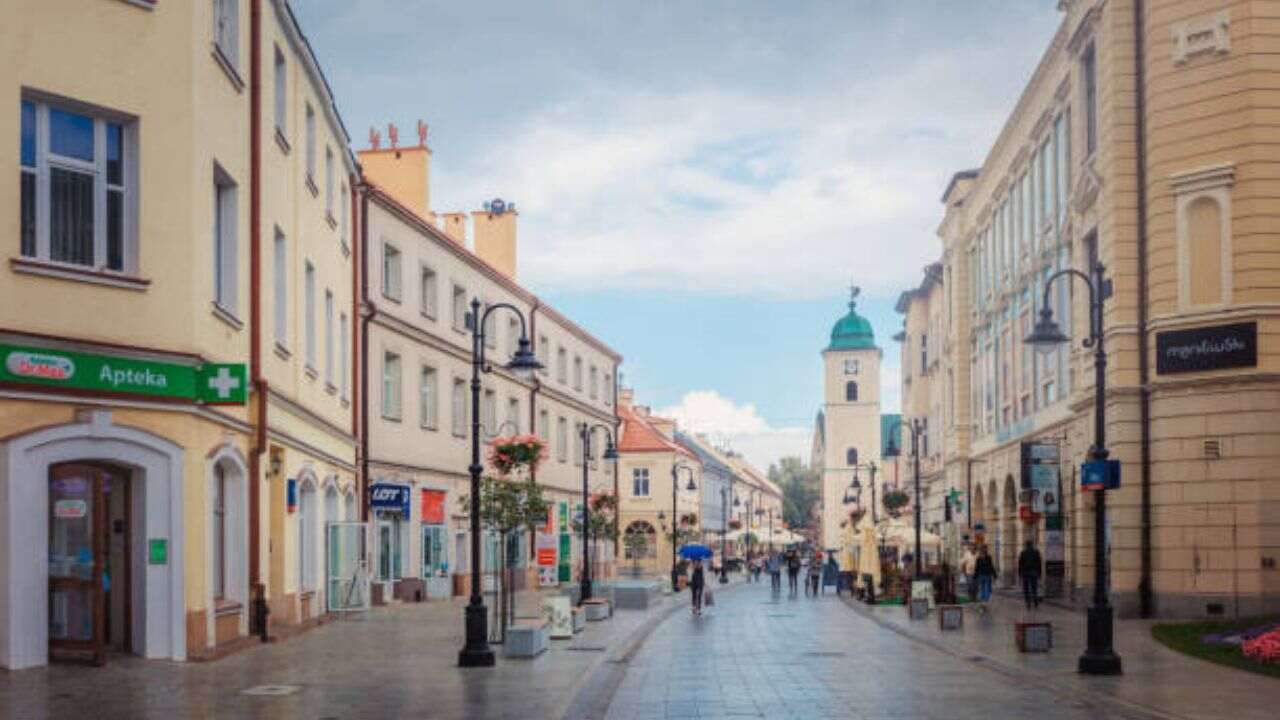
[(1212, 449)]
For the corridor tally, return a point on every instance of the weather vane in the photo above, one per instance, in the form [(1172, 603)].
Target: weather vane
[(854, 292)]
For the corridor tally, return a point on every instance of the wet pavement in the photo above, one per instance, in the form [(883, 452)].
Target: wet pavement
[(755, 655)]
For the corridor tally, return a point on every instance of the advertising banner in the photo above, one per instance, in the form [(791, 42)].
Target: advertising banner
[(208, 383), (566, 552), (545, 545), (1040, 478)]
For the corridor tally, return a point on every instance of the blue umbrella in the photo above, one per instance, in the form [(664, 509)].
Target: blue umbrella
[(695, 551)]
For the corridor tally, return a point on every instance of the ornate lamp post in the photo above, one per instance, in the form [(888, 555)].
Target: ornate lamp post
[(610, 453), (1099, 657), (891, 450), (476, 651), (724, 512), (675, 516)]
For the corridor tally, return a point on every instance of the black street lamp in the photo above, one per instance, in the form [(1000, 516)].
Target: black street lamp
[(675, 517), (1099, 657), (891, 450), (476, 652), (610, 453), (724, 514)]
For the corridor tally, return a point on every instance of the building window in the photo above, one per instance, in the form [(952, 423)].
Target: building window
[(459, 308), (329, 368), (281, 88), (391, 386), (577, 373), (607, 389), (458, 407), (328, 182), (344, 209), (851, 391), (924, 353), (1089, 73), (428, 293), (544, 426), (344, 364), (427, 397), (226, 30), (489, 413), (851, 457), (218, 532), (306, 536), (390, 272), (224, 241), (593, 384), (309, 314), (1062, 163), (77, 187), (311, 145), (513, 336), (577, 444), (513, 414), (562, 439), (640, 482), (544, 354), (490, 327), (280, 288), (562, 365)]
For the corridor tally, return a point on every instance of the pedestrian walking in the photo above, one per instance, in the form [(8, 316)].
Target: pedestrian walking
[(966, 569), (793, 573), (984, 569), (775, 573), (697, 581), (815, 575), (831, 574), (1030, 568), (756, 567)]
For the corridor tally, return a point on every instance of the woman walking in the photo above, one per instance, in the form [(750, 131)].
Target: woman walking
[(696, 582), (984, 570), (793, 573)]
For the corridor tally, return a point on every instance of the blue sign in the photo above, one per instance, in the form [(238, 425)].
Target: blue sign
[(291, 494), (389, 498), (1100, 475)]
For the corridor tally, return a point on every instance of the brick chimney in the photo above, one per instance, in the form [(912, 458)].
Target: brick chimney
[(404, 173), (494, 229)]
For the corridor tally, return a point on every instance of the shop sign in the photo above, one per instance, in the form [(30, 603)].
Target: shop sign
[(1207, 348), (389, 498), (210, 383), (1100, 475), (433, 507), (158, 551), (72, 509), (566, 551), (545, 545)]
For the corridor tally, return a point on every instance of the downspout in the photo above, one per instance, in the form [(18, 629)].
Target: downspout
[(258, 608), (353, 182), (617, 510), (533, 409), (365, 317), (1146, 595)]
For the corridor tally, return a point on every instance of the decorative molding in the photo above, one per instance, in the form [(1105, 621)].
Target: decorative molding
[(1087, 188), (1204, 37), (1084, 31), (1205, 178), (1214, 183)]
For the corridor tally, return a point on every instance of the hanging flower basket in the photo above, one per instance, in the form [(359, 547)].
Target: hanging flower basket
[(895, 501), (507, 454), (689, 519)]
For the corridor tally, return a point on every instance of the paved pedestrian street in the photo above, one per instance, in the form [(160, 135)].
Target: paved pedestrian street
[(754, 655)]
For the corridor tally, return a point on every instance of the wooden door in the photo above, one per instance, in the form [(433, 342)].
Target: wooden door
[(77, 553)]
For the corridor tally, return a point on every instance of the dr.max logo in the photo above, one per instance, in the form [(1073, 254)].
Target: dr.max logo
[(37, 365)]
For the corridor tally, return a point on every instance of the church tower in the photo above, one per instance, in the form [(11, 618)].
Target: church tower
[(850, 413)]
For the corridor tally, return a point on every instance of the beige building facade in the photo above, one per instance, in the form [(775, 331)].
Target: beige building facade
[(1174, 202)]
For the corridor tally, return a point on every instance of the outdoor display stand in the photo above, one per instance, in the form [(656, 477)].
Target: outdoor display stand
[(557, 611), (1033, 637), (918, 608), (950, 617)]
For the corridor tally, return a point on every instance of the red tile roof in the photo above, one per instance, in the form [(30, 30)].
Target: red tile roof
[(639, 435)]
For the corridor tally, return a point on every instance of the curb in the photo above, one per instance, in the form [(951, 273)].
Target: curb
[(594, 693), (1099, 700)]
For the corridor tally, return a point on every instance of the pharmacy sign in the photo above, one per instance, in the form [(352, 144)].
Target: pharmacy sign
[(207, 383)]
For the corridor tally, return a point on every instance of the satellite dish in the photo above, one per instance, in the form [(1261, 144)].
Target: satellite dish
[(497, 206)]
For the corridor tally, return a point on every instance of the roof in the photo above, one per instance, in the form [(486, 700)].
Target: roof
[(302, 45), (638, 435), (890, 423), (852, 332), (955, 179), (710, 458), (932, 276)]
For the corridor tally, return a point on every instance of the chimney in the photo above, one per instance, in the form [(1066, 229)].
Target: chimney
[(666, 426), (495, 235), (455, 226), (404, 173)]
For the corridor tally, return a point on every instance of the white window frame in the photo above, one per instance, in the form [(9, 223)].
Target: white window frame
[(562, 439), (428, 397), (392, 401), (311, 144), (225, 242), (281, 77), (458, 299), (640, 482), (577, 373), (329, 364), (309, 314), (226, 31), (280, 288), (593, 382), (328, 183), (428, 291), (562, 365), (344, 356), (458, 407), (513, 413), (392, 271)]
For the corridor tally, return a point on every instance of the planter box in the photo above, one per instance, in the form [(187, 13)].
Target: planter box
[(918, 608), (1033, 637), (950, 617), (596, 610), (527, 638), (439, 588), (635, 594)]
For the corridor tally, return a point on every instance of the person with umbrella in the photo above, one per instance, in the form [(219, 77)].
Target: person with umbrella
[(697, 582)]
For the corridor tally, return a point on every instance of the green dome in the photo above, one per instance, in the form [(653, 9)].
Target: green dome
[(852, 332)]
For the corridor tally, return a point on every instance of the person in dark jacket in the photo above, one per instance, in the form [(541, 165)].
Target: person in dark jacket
[(697, 581), (793, 573), (1030, 568), (984, 569)]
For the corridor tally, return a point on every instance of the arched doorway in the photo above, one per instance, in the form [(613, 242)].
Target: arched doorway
[(640, 545), (308, 543), (227, 542), (1009, 533)]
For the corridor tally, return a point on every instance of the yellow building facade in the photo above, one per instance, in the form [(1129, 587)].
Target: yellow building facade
[(1150, 159), (131, 409)]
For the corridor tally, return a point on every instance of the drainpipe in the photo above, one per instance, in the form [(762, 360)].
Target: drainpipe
[(365, 317), (1146, 595), (617, 440), (533, 408), (258, 610), (357, 257)]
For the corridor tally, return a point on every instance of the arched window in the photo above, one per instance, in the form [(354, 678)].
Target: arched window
[(851, 391), (307, 519), (640, 541), (851, 456)]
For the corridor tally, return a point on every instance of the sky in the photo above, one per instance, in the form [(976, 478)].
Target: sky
[(699, 182)]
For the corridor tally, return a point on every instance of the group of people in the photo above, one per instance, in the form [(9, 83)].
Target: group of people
[(980, 572), (800, 566)]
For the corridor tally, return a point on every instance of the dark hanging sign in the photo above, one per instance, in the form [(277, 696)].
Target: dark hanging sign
[(1207, 348)]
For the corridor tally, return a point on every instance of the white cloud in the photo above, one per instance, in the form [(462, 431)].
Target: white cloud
[(738, 427)]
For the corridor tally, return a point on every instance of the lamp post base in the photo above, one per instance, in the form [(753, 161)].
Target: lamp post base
[(476, 653), (1099, 658), (584, 593)]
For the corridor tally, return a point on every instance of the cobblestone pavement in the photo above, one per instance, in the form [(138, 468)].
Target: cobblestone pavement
[(755, 655), (394, 662)]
